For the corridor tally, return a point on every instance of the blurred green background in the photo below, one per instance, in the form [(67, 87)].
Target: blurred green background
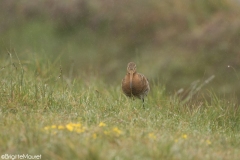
[(179, 44)]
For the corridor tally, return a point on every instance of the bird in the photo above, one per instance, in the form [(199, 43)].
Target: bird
[(135, 84)]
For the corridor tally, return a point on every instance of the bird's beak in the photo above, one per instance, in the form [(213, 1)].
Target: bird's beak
[(131, 76)]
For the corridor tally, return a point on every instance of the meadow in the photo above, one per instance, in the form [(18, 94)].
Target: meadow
[(60, 118), (62, 63)]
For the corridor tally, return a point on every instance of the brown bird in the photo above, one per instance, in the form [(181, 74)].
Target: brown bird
[(135, 84)]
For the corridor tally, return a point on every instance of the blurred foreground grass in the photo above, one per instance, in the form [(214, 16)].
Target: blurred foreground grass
[(61, 118)]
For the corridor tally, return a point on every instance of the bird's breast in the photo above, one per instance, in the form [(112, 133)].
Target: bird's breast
[(139, 85)]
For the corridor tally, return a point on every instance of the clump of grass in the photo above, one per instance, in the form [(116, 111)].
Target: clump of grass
[(187, 95)]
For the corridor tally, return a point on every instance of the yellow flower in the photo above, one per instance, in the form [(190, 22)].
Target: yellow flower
[(208, 142), (117, 131), (152, 136), (184, 136), (69, 127), (94, 136), (61, 127), (75, 127), (46, 128), (53, 126), (101, 124)]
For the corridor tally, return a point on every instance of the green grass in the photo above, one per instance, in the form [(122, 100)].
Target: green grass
[(85, 118)]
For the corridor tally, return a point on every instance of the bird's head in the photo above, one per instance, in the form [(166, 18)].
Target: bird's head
[(131, 68)]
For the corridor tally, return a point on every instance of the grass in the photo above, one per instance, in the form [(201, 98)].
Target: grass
[(56, 102), (61, 118)]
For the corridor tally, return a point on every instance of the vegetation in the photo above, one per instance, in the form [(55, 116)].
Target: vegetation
[(60, 118), (61, 69)]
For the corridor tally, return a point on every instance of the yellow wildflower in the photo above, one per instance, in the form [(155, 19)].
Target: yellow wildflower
[(53, 126), (102, 124), (117, 131), (61, 127), (184, 136), (94, 136), (208, 142), (75, 127), (152, 136), (46, 128), (69, 127)]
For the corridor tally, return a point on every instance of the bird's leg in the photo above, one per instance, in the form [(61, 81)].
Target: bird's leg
[(143, 103)]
